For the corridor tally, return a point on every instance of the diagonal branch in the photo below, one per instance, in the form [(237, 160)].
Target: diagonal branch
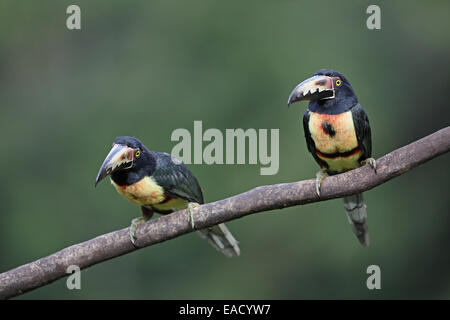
[(46, 270)]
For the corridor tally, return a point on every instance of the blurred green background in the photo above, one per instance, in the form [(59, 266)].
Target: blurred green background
[(146, 68)]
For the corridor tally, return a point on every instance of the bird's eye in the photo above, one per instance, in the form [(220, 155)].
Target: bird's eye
[(338, 82), (138, 153)]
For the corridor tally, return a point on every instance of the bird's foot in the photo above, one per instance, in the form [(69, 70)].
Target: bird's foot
[(371, 162), (134, 224), (320, 176), (190, 211)]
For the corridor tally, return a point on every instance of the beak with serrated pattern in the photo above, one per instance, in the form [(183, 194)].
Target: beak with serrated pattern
[(314, 88), (120, 157)]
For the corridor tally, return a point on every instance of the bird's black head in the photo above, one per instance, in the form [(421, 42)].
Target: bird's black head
[(328, 92), (131, 142), (128, 160)]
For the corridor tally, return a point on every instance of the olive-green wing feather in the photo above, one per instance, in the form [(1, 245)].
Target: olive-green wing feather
[(362, 129), (176, 179)]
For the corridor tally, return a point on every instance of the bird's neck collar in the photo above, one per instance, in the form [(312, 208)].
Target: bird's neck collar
[(141, 168), (332, 106)]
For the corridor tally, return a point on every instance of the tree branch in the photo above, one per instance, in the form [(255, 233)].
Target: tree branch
[(46, 270)]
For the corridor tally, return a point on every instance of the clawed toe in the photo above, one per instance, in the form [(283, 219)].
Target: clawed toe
[(190, 211), (372, 162), (133, 227), (320, 176)]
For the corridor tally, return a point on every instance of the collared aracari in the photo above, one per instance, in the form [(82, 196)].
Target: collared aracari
[(158, 183), (338, 136)]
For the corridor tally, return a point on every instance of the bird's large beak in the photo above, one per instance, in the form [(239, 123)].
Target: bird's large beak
[(120, 157), (314, 88)]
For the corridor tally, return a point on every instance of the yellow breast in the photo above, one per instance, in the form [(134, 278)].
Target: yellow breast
[(342, 137), (144, 192), (171, 204), (341, 164)]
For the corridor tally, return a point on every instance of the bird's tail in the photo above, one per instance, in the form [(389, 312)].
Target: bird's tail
[(221, 238), (357, 216)]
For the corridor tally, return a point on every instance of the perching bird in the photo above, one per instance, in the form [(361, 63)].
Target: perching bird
[(158, 183), (338, 136)]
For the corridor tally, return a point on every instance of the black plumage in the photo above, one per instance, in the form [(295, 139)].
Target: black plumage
[(345, 100), (338, 135), (172, 175), (159, 183), (363, 131)]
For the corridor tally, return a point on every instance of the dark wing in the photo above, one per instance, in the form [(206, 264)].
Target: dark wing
[(310, 142), (362, 128), (176, 179)]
